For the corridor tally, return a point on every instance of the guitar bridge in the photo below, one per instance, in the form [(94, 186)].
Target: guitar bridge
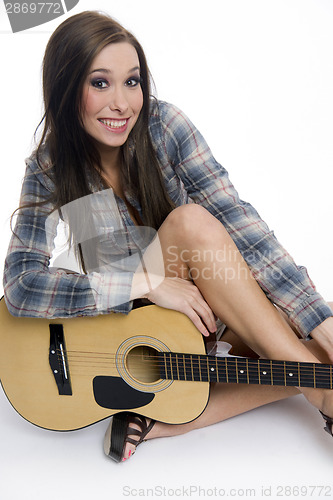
[(58, 360)]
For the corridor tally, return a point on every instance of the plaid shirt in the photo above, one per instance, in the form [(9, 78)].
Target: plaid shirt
[(191, 175)]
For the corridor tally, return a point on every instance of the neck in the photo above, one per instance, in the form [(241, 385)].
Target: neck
[(110, 159), (203, 368)]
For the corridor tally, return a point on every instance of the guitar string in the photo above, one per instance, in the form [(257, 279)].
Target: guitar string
[(193, 360), (199, 373), (252, 371), (188, 357), (319, 376), (280, 377), (81, 356)]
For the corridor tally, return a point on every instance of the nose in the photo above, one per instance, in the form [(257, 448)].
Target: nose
[(118, 100)]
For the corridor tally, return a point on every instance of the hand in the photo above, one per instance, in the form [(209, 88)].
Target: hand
[(183, 296), (323, 334)]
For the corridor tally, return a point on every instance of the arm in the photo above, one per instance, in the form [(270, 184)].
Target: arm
[(207, 183), (32, 289)]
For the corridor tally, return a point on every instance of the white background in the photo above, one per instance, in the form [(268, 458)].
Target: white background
[(256, 77)]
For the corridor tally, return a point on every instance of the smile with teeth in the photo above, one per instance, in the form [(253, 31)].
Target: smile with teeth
[(113, 123)]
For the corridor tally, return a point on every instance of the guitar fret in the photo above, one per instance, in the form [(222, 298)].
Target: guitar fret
[(259, 371), (176, 359), (217, 371), (247, 371), (285, 375), (184, 366), (271, 373), (165, 367), (171, 367), (314, 376)]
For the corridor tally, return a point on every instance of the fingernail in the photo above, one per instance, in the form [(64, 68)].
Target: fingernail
[(130, 453)]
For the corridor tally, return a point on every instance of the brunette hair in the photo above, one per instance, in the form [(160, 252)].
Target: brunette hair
[(74, 158)]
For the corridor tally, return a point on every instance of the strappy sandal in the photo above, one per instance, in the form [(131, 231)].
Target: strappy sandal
[(329, 423), (119, 430)]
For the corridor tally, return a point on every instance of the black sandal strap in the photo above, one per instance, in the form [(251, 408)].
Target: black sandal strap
[(329, 423), (142, 423), (148, 429)]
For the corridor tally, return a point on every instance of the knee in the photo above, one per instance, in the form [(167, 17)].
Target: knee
[(194, 221), (187, 218)]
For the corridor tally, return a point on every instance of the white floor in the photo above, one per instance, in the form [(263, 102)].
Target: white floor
[(279, 451)]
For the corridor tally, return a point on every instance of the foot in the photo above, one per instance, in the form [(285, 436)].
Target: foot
[(138, 423), (322, 399), (329, 423), (125, 432)]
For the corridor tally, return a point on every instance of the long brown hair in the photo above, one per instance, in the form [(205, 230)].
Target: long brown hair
[(75, 159)]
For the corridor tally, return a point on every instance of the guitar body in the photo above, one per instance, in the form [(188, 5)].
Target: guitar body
[(107, 364)]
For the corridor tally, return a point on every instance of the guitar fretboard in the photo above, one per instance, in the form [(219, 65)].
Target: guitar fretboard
[(203, 368)]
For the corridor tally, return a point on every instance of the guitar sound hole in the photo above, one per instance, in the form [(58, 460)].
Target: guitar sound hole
[(142, 363)]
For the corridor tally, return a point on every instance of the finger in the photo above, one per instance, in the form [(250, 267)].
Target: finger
[(204, 310), (205, 314), (209, 319), (193, 316)]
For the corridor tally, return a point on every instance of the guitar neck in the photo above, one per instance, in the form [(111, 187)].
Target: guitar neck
[(203, 368)]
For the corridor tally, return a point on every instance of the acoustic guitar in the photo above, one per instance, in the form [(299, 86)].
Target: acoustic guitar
[(65, 374)]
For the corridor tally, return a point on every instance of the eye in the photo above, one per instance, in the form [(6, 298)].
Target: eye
[(134, 81), (99, 83)]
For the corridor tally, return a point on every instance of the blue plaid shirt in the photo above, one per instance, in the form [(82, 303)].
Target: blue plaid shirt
[(191, 175)]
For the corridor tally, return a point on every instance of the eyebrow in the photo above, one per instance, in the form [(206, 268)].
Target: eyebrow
[(108, 71)]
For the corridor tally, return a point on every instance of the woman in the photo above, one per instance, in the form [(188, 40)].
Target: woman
[(103, 133)]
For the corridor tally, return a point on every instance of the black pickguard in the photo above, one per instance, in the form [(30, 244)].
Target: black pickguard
[(115, 394)]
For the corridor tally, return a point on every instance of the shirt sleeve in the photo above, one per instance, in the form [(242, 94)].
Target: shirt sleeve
[(207, 183), (33, 289)]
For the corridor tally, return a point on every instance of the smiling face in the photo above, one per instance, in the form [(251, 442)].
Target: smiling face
[(112, 96)]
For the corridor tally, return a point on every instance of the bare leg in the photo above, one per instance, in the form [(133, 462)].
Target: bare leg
[(233, 294), (230, 290)]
